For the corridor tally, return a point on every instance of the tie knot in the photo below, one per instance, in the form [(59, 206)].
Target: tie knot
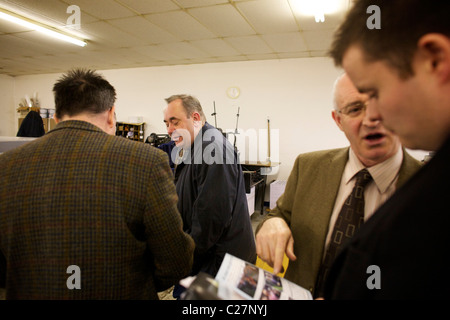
[(363, 177)]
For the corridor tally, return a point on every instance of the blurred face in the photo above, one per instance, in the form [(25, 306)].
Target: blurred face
[(181, 128), (411, 108), (371, 142)]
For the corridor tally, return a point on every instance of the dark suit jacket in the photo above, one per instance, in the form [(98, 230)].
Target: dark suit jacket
[(213, 203), (407, 238), (307, 205), (78, 196)]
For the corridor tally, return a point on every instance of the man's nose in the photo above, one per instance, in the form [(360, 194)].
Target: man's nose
[(170, 129), (372, 116)]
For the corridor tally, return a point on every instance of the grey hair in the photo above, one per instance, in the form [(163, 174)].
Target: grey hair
[(334, 91), (190, 104)]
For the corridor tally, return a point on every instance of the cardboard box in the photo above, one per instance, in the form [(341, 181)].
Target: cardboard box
[(251, 200), (276, 190)]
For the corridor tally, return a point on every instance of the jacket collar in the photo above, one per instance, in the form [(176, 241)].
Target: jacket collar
[(77, 124)]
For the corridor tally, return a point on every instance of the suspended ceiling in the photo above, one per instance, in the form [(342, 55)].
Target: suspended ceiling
[(145, 33)]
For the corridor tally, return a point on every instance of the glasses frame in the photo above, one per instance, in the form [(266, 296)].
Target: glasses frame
[(347, 110)]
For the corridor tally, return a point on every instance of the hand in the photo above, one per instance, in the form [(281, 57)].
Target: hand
[(273, 240)]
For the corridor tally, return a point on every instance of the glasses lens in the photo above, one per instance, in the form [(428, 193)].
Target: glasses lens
[(354, 109)]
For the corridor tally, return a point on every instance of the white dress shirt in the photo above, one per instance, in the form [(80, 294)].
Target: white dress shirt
[(385, 176)]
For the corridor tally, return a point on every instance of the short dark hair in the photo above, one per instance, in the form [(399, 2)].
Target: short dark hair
[(81, 91), (190, 104), (403, 23)]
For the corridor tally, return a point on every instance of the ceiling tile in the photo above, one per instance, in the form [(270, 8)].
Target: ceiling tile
[(269, 16), (199, 3), (249, 45), (101, 32), (215, 47), (285, 42), (291, 55), (223, 20), (318, 39), (184, 50), (143, 30), (103, 9), (266, 56), (42, 44), (319, 53), (185, 28), (14, 47), (150, 6), (49, 11), (157, 52)]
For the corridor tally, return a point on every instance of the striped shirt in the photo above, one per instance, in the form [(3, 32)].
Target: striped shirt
[(385, 176)]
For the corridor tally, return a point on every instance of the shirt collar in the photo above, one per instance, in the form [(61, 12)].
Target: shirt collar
[(383, 174)]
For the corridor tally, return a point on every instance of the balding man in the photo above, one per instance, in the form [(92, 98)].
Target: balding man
[(302, 223)]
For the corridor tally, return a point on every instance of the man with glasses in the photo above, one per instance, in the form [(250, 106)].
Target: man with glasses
[(404, 67), (301, 225)]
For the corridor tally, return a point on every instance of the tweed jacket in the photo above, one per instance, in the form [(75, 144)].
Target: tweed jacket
[(307, 205), (80, 197)]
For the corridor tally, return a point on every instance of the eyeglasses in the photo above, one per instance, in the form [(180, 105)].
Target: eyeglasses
[(354, 109)]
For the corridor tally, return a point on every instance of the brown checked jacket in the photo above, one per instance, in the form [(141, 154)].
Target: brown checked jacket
[(86, 215)]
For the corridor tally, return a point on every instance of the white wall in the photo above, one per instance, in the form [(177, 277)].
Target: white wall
[(7, 110), (295, 94)]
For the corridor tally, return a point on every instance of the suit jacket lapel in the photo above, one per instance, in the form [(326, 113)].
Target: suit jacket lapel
[(408, 168), (331, 173)]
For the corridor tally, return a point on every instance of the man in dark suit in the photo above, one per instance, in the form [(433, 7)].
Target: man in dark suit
[(305, 215), (405, 68), (210, 187), (85, 214)]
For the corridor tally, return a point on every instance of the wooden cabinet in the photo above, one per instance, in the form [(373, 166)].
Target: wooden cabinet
[(132, 131)]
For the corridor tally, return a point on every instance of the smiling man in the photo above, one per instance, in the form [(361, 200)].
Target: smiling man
[(210, 188), (303, 222), (404, 67)]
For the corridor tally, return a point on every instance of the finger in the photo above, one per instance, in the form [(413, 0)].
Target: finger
[(263, 249), (290, 250), (278, 258)]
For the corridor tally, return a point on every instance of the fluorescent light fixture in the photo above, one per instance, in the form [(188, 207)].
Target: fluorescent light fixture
[(27, 23), (319, 17), (317, 8)]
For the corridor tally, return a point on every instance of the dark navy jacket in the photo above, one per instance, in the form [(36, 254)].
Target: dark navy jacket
[(213, 203)]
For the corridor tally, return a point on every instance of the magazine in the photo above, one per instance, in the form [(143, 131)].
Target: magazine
[(240, 280)]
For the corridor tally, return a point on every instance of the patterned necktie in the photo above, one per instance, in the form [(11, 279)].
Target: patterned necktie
[(350, 218)]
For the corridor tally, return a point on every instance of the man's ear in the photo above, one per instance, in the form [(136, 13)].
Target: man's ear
[(434, 51), (337, 118), (112, 117), (196, 116)]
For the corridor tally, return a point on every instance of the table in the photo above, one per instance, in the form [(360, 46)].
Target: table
[(255, 174)]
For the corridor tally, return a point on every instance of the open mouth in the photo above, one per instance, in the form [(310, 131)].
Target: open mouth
[(374, 139), (374, 136)]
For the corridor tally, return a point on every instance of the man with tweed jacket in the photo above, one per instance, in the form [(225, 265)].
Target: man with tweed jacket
[(85, 214)]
